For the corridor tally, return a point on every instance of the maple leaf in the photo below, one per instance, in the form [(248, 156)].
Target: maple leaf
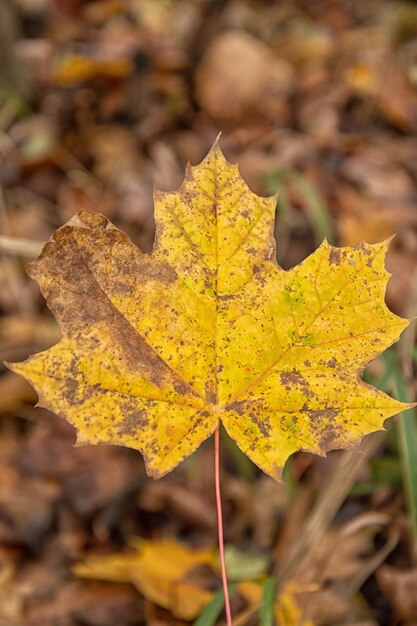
[(157, 348)]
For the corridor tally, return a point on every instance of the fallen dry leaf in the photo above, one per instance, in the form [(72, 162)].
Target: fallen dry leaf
[(79, 69), (237, 63), (185, 501), (160, 570), (399, 586)]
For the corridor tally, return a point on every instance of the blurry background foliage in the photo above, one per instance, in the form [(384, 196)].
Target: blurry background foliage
[(99, 99)]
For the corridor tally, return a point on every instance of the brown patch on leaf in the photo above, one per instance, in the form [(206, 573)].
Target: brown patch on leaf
[(334, 256), (263, 425), (320, 414), (294, 378), (237, 407), (133, 422)]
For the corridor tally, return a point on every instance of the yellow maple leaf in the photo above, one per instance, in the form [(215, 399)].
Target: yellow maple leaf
[(157, 348), (160, 570)]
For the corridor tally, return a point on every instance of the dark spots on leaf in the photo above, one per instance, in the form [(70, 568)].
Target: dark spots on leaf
[(73, 367), (332, 362), (334, 257), (261, 278), (364, 247), (137, 420), (323, 414), (262, 424), (210, 392), (294, 378), (151, 270), (328, 438), (179, 386), (237, 407), (70, 392), (153, 446)]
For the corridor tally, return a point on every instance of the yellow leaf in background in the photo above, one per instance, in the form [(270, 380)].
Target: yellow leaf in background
[(79, 69), (163, 571), (286, 610), (362, 78), (157, 348), (252, 593)]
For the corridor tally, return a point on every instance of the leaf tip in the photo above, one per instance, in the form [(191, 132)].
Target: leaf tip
[(217, 153), (151, 470), (390, 238), (275, 471), (216, 142), (16, 368)]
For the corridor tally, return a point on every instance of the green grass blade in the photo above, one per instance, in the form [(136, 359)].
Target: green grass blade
[(210, 615), (407, 439), (406, 424), (266, 611), (319, 215)]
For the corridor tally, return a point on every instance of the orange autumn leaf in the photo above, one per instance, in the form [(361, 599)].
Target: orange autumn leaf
[(79, 69), (163, 571), (158, 348)]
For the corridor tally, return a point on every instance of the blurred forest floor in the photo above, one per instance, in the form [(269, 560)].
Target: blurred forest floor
[(101, 99)]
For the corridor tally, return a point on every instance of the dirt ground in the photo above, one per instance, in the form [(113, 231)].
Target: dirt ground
[(99, 101)]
